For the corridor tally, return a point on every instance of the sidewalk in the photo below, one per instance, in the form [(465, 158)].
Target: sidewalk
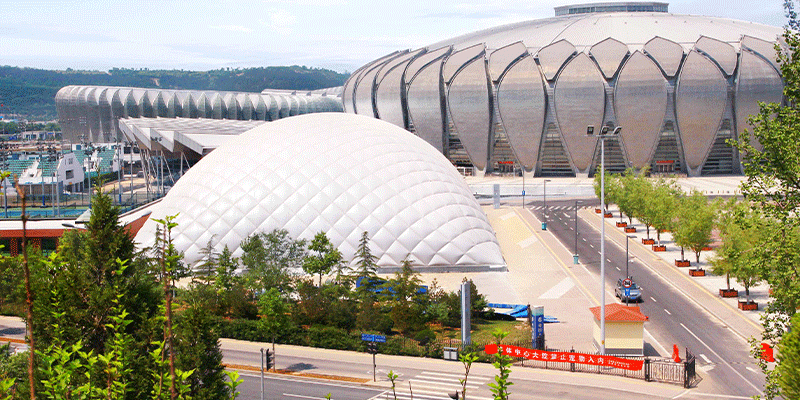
[(704, 290)]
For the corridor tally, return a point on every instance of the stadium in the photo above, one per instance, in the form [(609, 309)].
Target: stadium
[(520, 97)]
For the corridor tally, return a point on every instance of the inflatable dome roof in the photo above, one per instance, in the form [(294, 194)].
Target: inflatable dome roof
[(337, 173)]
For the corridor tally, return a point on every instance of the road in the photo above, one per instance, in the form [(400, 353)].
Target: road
[(428, 378), (674, 319)]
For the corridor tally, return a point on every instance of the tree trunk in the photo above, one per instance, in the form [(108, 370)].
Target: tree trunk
[(648, 231), (697, 254), (747, 292), (28, 298), (682, 256), (728, 280)]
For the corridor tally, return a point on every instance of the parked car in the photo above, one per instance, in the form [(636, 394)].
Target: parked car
[(634, 291)]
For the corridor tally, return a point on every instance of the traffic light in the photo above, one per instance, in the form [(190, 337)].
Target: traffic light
[(372, 348), (270, 360)]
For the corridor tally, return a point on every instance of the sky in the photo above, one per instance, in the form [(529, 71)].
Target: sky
[(340, 35)]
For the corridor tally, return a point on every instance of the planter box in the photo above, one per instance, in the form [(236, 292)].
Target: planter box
[(659, 248), (630, 229), (683, 263), (622, 224), (728, 293), (697, 272), (745, 306), (597, 211), (608, 215), (648, 241)]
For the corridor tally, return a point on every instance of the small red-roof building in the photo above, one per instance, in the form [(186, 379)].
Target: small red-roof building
[(624, 329)]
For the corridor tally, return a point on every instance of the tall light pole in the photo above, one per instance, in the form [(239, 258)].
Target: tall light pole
[(575, 256), (544, 210), (603, 136)]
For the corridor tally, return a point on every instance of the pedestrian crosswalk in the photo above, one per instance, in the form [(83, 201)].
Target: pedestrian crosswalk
[(552, 208), (430, 385)]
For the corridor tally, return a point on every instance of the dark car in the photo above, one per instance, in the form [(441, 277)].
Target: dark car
[(634, 291)]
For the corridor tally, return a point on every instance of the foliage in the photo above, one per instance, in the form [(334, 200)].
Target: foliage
[(503, 364), (274, 313), (611, 187), (406, 302), (466, 359), (271, 259), (694, 223), (197, 349), (365, 262), (771, 160), (740, 228), (789, 362), (322, 257), (662, 204)]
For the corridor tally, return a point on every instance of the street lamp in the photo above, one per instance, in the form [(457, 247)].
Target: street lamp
[(603, 136), (575, 256), (544, 210)]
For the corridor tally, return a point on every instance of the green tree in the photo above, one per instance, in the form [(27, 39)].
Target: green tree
[(789, 362), (365, 262), (663, 204), (771, 160), (322, 257), (406, 301), (694, 223), (272, 259), (611, 187), (197, 349), (740, 229), (503, 364), (274, 313)]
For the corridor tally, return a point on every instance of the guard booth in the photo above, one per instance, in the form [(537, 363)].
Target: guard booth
[(624, 329)]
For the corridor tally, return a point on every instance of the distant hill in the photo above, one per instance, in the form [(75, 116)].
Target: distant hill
[(30, 92)]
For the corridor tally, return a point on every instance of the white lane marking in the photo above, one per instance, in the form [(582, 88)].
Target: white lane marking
[(654, 300), (722, 359), (681, 394), (591, 245), (559, 289), (617, 270), (752, 369), (724, 396), (527, 242), (303, 397), (608, 259), (584, 239), (703, 356), (666, 311)]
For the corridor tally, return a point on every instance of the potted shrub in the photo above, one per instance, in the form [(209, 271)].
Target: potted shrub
[(622, 224), (697, 272), (630, 229), (659, 247), (682, 263), (648, 241), (748, 305), (608, 215)]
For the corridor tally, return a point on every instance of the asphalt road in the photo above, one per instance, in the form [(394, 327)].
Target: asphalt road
[(674, 319)]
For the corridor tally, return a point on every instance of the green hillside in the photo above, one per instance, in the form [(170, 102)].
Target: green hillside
[(30, 92)]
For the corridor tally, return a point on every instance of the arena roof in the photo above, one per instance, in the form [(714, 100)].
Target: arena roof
[(337, 173)]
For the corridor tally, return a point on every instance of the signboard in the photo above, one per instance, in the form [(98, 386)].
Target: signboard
[(373, 338), (626, 283), (566, 356), (627, 292), (537, 327)]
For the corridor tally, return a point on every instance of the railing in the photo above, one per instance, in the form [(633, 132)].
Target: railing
[(653, 370)]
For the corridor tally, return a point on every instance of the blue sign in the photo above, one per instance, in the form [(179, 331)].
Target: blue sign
[(537, 322), (373, 338), (627, 292), (523, 193)]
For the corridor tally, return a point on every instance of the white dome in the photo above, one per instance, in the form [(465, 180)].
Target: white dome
[(338, 173)]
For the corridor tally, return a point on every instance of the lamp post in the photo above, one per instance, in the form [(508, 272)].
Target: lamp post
[(544, 210), (603, 136), (575, 256)]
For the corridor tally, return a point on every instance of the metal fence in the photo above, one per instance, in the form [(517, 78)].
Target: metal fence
[(654, 369)]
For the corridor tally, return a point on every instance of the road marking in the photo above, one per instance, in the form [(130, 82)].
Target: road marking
[(617, 270), (722, 360), (703, 356), (584, 239), (303, 397), (591, 245), (752, 369), (724, 396), (559, 289), (654, 300), (667, 311), (608, 259), (527, 242)]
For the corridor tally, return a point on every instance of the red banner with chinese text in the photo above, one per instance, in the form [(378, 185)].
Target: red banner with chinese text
[(566, 356)]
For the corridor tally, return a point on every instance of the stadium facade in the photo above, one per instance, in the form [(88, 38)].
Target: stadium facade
[(521, 96), (92, 113)]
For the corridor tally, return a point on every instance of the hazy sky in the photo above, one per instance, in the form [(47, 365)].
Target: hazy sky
[(336, 34)]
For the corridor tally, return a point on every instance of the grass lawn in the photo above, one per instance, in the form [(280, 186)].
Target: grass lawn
[(482, 331)]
